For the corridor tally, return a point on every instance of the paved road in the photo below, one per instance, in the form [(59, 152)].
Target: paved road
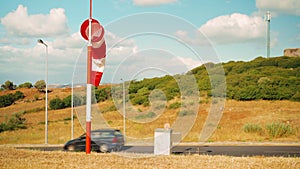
[(286, 151)]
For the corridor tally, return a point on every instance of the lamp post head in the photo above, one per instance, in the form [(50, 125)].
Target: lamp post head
[(42, 42)]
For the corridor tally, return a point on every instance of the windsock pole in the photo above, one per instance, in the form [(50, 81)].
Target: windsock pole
[(89, 87)]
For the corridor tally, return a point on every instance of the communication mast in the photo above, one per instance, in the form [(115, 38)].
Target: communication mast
[(268, 20)]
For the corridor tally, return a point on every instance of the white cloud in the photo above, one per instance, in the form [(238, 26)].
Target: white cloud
[(151, 63), (192, 38), (73, 41), (234, 28), (152, 2), (189, 62), (28, 64), (119, 48), (17, 41), (20, 23), (279, 6), (113, 40)]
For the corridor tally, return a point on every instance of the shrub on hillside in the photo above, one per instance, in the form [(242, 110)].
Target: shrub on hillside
[(102, 94), (296, 97), (175, 105), (57, 103), (6, 100), (40, 85), (26, 85), (139, 100), (145, 116), (9, 99), (17, 121), (18, 95), (8, 85), (252, 128), (277, 130), (67, 101)]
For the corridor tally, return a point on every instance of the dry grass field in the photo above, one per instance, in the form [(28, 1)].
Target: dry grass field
[(28, 159), (235, 116)]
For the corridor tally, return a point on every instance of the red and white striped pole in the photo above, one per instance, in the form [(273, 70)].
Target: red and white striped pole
[(89, 87), (96, 52)]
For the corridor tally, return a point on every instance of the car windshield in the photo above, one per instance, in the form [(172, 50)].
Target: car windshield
[(103, 134)]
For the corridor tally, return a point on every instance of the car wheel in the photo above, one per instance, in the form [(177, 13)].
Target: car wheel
[(71, 148), (103, 148)]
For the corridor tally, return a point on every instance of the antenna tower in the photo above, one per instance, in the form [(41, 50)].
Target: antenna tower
[(268, 20)]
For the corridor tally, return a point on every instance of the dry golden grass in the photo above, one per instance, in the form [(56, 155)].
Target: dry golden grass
[(29, 159), (236, 115)]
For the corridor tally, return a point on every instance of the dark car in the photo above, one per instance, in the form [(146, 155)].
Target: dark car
[(105, 140)]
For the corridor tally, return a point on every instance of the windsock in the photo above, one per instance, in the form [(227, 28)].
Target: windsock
[(97, 61)]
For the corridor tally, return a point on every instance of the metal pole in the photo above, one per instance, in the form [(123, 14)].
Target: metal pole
[(268, 19), (72, 112), (124, 112), (46, 101), (89, 88)]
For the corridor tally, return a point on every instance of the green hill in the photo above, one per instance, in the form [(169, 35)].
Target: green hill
[(275, 78)]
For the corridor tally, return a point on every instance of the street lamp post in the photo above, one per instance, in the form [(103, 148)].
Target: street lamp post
[(72, 110), (124, 113), (46, 102)]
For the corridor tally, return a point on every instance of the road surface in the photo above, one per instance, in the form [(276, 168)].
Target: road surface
[(286, 151)]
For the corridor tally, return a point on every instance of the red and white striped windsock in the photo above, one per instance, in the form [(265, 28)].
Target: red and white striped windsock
[(97, 61)]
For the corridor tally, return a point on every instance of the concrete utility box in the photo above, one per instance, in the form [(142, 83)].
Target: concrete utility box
[(162, 141)]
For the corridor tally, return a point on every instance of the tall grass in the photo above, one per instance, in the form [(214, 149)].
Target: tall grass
[(273, 130), (277, 130), (252, 128)]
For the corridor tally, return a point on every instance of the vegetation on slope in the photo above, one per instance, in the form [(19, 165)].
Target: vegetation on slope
[(259, 79)]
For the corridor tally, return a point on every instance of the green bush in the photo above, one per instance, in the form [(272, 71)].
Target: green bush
[(26, 85), (175, 105), (108, 109), (9, 99), (15, 122), (144, 116), (296, 97), (8, 85), (252, 128), (40, 85), (103, 94), (57, 103), (139, 100), (67, 101), (6, 100), (277, 130), (18, 95), (77, 101)]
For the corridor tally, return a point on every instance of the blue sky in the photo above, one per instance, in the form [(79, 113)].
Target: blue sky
[(145, 38)]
